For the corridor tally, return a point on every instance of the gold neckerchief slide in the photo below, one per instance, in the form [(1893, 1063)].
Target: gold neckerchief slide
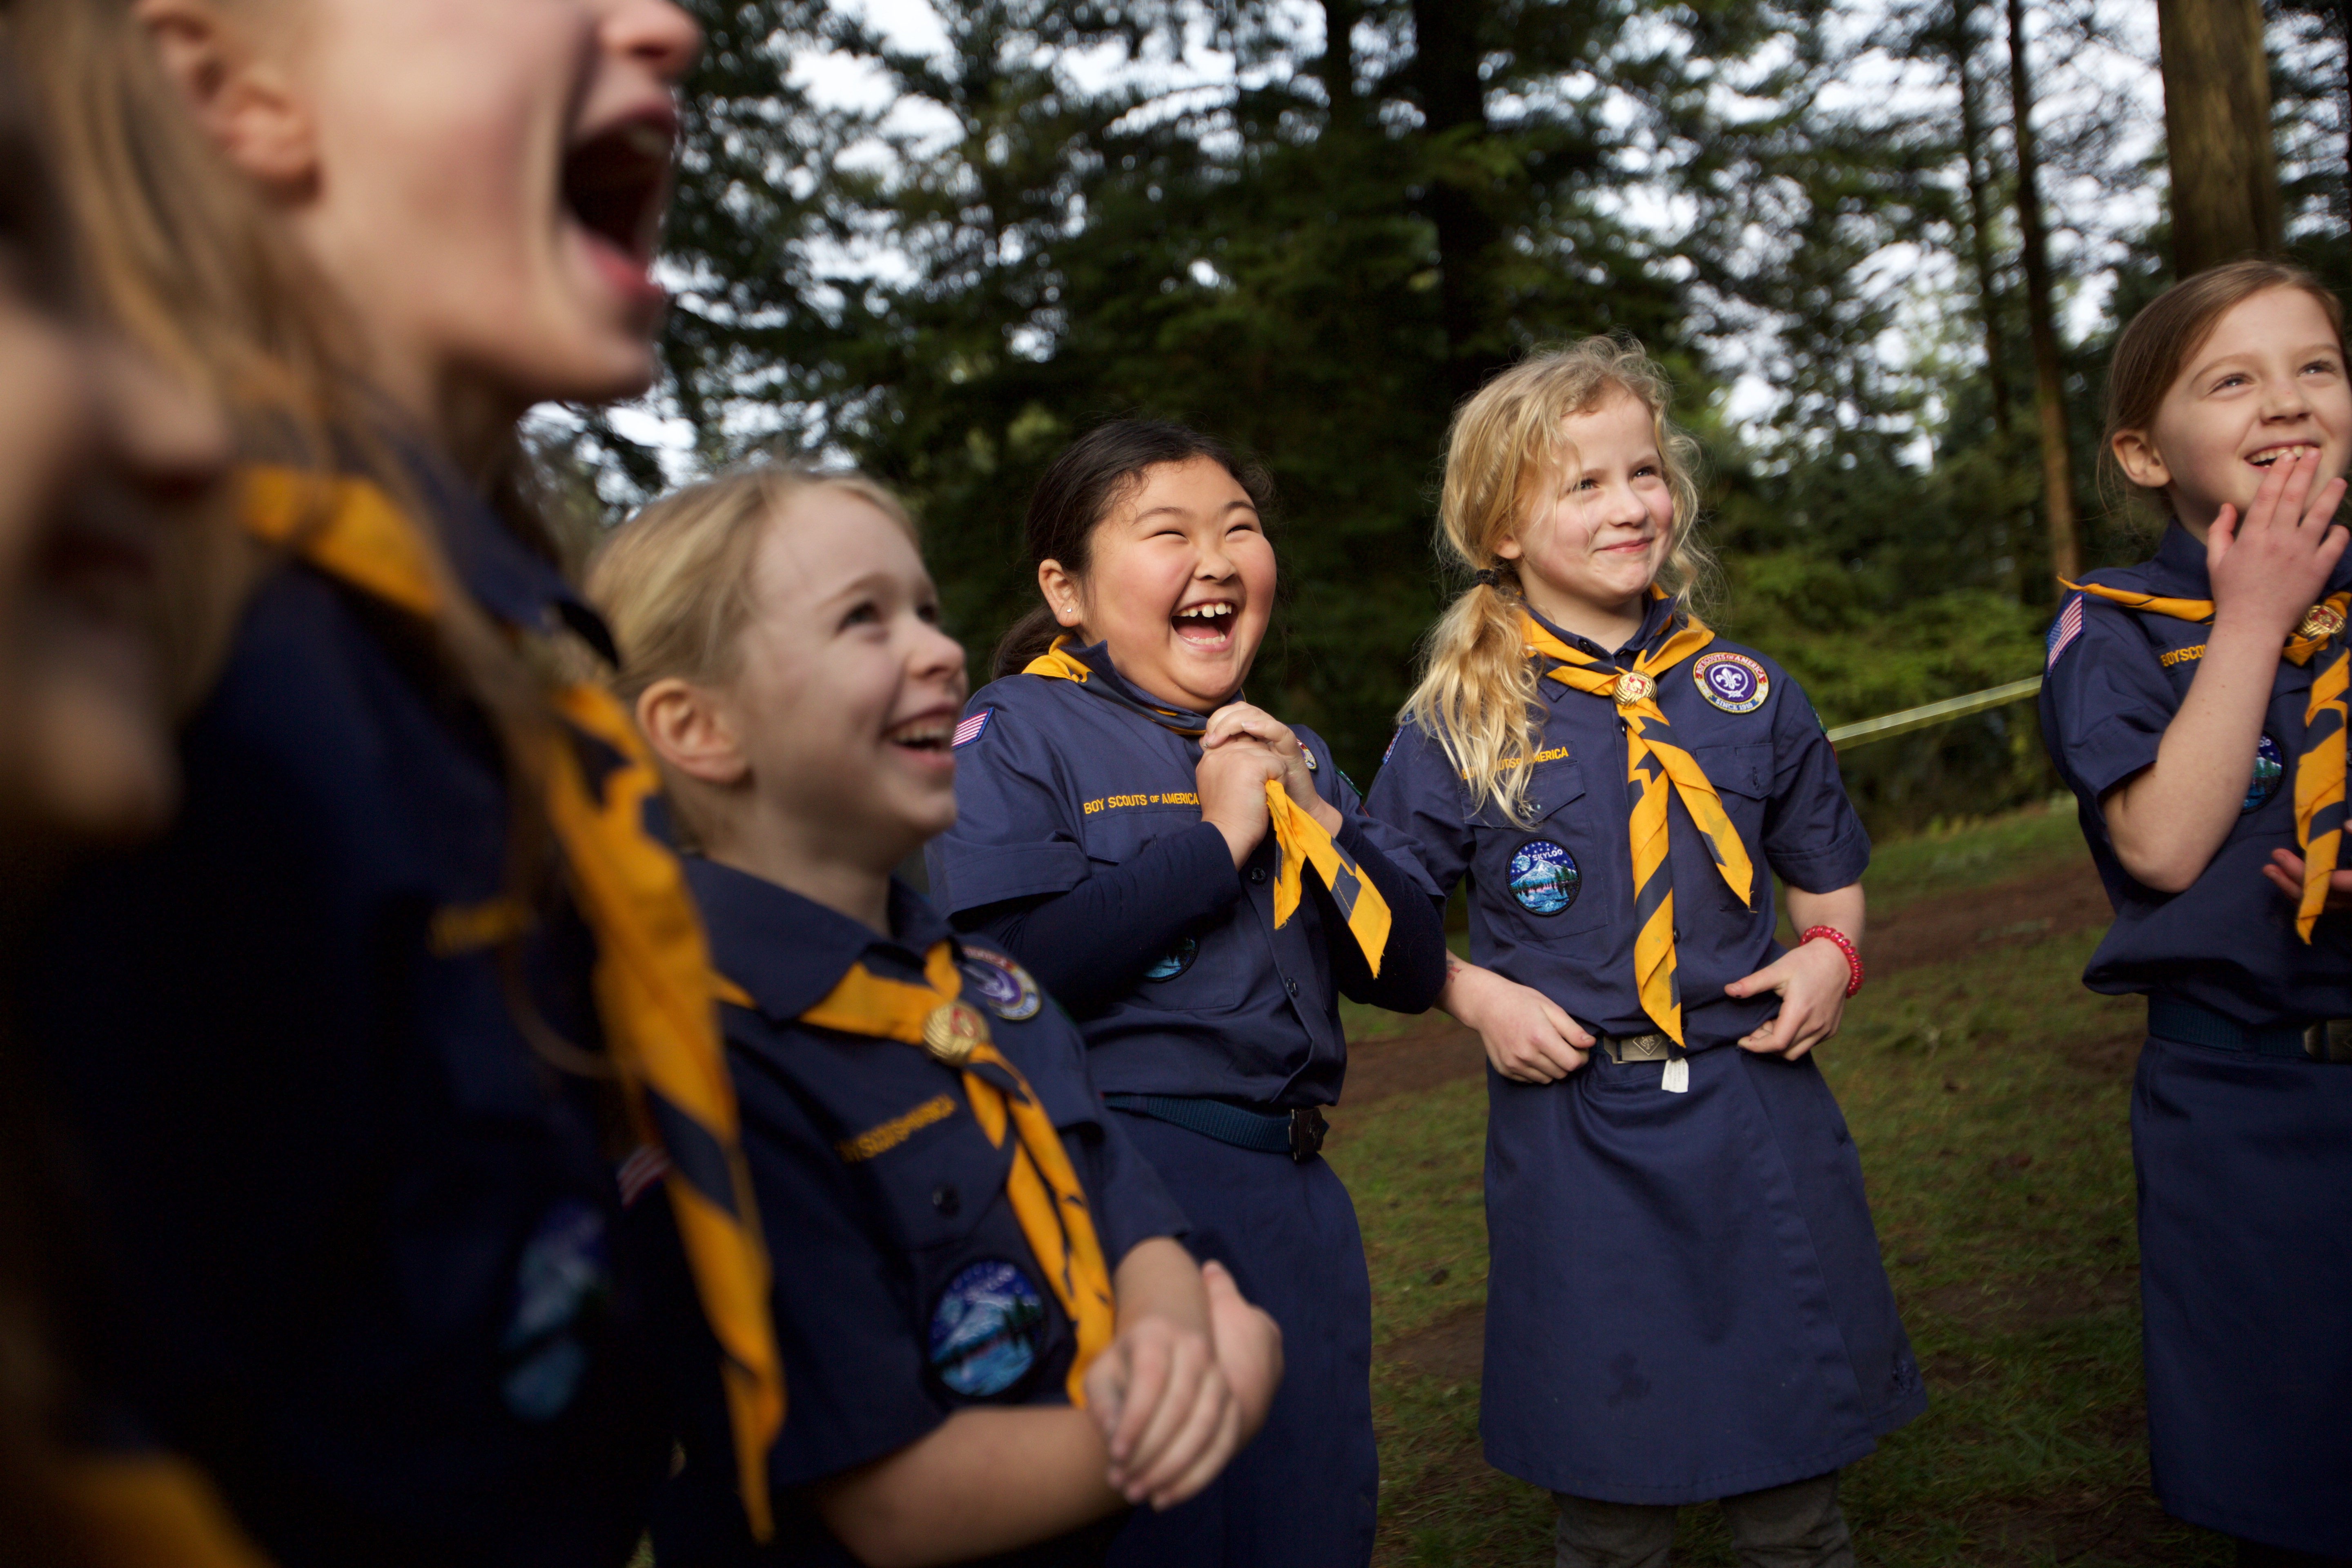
[(2319, 769), (1658, 770), (652, 975), (1043, 1185), (1299, 840)]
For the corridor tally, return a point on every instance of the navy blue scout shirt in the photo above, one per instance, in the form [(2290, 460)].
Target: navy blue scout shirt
[(1057, 787), (365, 1249), (2116, 678), (904, 1290), (1551, 902)]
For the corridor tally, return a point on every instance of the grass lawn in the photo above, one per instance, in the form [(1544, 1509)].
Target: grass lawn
[(1988, 1094)]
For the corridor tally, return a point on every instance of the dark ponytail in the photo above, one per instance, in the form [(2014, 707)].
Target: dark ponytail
[(1083, 487)]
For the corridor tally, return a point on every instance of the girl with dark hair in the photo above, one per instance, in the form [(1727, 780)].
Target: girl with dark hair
[(2195, 703), (1197, 882), (362, 1048)]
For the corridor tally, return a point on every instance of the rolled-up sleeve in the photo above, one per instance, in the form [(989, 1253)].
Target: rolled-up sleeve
[(1813, 839), (1013, 836)]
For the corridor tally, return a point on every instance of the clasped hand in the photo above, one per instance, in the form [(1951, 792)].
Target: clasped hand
[(1174, 1403), (1244, 748)]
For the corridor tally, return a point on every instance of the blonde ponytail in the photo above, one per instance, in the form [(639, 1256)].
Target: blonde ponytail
[(1478, 696)]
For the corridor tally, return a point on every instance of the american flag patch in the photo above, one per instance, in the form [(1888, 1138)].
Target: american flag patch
[(1392, 741), (646, 1165), (968, 731), (2064, 629)]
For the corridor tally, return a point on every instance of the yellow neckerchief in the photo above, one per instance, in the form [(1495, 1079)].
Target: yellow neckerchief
[(146, 1510), (1299, 840), (652, 975), (2319, 777), (1043, 1185), (1656, 770)]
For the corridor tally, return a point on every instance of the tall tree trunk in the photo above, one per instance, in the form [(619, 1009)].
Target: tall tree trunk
[(1980, 220), (1337, 67), (1453, 113), (2217, 132), (2344, 21), (2049, 381), (2017, 527)]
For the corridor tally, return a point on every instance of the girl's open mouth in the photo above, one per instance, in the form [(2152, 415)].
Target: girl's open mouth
[(2269, 456), (617, 188), (1208, 626), (927, 734)]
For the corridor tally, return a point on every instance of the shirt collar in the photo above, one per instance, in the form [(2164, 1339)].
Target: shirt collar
[(2177, 568), (789, 951), (1654, 615), (1096, 656), (505, 577)]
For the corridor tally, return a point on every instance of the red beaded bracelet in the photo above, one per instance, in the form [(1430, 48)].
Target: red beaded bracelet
[(1853, 959)]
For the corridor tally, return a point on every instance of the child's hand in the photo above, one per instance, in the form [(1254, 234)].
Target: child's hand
[(1812, 980), (2271, 567), (1231, 780), (2285, 871), (1239, 720), (1528, 1038), (1166, 1411), (1249, 1347)]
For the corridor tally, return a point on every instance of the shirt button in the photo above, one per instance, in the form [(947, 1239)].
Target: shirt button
[(1290, 985), (945, 1199), (1257, 873)]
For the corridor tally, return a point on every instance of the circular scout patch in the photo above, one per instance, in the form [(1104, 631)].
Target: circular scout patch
[(987, 1330), (1004, 985), (1544, 878), (562, 1274), (1174, 962), (2270, 770), (1731, 681)]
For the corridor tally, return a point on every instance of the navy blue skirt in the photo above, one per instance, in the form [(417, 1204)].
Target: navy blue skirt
[(1307, 1493), (2245, 1244), (1685, 1300)]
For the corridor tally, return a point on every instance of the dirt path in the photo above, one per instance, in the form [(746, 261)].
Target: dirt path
[(2022, 912)]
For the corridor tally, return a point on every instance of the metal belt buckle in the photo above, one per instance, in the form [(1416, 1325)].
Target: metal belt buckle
[(2329, 1040), (1650, 1048), (1306, 1129)]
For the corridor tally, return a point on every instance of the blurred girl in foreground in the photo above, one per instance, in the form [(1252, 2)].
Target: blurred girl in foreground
[(100, 458), (358, 1047)]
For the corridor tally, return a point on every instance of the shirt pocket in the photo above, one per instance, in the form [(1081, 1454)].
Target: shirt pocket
[(1208, 969), (1742, 777), (1117, 832), (1535, 870), (985, 1322)]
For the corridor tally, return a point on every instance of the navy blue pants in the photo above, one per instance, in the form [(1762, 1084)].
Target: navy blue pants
[(2245, 1242), (1305, 1493)]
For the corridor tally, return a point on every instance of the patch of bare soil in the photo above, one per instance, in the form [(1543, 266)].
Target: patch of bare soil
[(2027, 1304), (2121, 1528), (1450, 1350), (2022, 913), (1435, 1050)]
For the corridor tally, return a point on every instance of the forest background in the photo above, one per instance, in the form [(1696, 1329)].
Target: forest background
[(1316, 243)]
